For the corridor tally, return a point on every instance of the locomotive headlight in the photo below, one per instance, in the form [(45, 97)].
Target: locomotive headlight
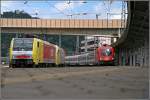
[(13, 57), (100, 58)]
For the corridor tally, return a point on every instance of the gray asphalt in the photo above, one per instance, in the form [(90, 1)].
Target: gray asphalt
[(75, 82)]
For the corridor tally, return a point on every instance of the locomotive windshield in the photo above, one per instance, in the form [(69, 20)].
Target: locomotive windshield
[(23, 44), (106, 52)]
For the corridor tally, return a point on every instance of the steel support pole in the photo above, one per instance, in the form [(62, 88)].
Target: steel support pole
[(77, 44), (107, 20), (85, 43), (60, 40), (86, 47), (0, 46), (16, 35)]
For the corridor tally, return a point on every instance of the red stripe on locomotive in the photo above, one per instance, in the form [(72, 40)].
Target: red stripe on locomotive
[(49, 52), (22, 56)]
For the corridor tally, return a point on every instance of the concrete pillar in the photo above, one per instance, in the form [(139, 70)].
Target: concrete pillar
[(16, 35), (123, 57), (86, 43), (119, 56), (127, 57), (59, 40), (119, 32), (136, 55), (133, 57), (130, 59), (146, 53), (77, 44), (143, 56), (140, 57), (44, 37), (133, 60)]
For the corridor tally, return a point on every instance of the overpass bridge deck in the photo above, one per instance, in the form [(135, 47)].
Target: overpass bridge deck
[(60, 23)]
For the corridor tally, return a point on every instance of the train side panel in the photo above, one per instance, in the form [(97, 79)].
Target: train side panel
[(57, 55), (35, 54), (82, 59), (41, 51), (60, 56), (10, 51), (49, 53)]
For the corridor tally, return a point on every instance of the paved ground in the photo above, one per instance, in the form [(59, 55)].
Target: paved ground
[(75, 82)]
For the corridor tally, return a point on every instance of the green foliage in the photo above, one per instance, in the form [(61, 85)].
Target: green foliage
[(5, 43), (69, 43), (16, 14)]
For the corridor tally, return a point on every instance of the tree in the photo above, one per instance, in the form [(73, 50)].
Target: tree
[(16, 14)]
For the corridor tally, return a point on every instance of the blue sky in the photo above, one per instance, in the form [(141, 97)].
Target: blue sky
[(56, 9)]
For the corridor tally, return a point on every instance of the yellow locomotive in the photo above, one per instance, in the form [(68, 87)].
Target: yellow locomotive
[(35, 52)]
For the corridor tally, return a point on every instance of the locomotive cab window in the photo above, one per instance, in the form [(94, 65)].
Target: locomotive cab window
[(37, 44), (90, 43), (106, 52), (23, 44)]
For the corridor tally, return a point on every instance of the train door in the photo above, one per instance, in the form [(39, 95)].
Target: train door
[(40, 52), (37, 52), (59, 58)]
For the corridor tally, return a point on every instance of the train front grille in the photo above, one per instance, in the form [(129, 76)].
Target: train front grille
[(22, 61)]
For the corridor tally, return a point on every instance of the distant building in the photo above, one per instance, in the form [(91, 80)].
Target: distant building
[(92, 42)]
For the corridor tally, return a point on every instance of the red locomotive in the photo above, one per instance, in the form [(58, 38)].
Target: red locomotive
[(104, 54)]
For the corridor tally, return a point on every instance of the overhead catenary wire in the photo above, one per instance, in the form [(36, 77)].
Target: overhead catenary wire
[(57, 8), (69, 2), (65, 12), (61, 11)]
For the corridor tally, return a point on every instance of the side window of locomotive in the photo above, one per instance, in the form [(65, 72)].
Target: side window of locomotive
[(90, 43), (106, 52), (38, 44), (82, 50)]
